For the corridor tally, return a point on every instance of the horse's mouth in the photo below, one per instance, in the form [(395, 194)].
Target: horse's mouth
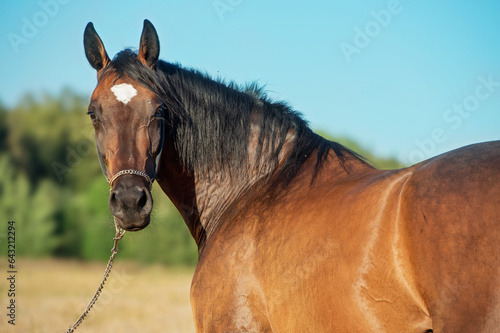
[(133, 226)]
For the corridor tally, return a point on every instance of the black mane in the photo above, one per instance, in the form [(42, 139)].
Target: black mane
[(210, 121)]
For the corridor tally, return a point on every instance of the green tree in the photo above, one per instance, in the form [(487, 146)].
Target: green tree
[(33, 211)]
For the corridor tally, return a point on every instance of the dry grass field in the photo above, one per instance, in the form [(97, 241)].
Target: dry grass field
[(51, 294)]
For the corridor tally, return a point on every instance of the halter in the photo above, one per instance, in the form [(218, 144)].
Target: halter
[(143, 174)]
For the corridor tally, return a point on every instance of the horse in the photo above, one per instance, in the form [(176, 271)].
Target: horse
[(295, 233)]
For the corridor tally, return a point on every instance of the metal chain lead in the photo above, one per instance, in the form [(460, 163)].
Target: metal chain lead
[(119, 235)]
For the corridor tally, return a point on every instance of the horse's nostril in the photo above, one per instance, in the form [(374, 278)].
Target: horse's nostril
[(130, 202), (143, 200), (114, 205), (145, 203), (112, 198)]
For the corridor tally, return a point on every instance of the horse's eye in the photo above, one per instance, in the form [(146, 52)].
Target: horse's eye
[(159, 111), (91, 114)]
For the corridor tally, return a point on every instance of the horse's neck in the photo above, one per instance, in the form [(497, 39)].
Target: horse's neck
[(215, 196), (204, 198), (218, 192), (203, 201)]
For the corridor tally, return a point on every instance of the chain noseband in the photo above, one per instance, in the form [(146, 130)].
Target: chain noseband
[(131, 172)]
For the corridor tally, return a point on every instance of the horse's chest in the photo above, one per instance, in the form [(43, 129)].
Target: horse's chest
[(225, 295)]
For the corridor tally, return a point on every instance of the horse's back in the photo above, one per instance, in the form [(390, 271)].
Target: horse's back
[(451, 205)]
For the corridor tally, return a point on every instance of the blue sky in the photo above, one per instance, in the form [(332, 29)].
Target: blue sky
[(408, 78)]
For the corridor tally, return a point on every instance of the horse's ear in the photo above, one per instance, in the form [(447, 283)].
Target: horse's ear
[(94, 48), (149, 50)]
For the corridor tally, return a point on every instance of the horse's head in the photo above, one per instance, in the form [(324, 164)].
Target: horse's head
[(128, 123)]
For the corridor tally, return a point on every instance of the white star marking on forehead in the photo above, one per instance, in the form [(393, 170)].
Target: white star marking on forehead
[(124, 92)]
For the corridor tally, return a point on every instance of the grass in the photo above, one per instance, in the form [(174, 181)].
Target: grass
[(52, 294)]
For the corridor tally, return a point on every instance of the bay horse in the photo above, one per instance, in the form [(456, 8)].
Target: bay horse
[(295, 233)]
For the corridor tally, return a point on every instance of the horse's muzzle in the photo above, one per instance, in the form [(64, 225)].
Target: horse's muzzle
[(131, 203)]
